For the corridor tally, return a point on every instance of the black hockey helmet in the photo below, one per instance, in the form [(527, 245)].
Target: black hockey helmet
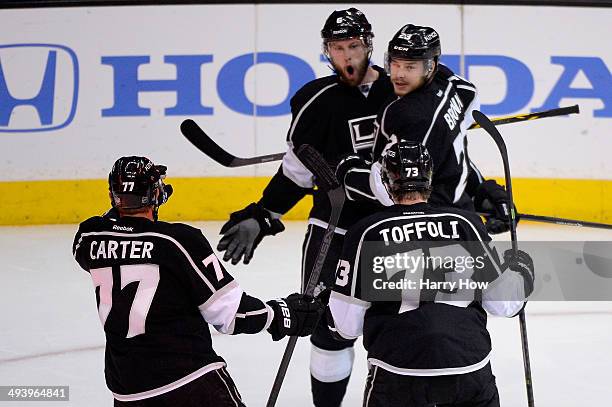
[(346, 24), (133, 182), (406, 166), (414, 42)]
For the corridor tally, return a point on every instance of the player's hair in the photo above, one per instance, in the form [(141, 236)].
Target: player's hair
[(399, 195)]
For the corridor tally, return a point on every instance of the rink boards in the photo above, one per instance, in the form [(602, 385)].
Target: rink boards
[(80, 87)]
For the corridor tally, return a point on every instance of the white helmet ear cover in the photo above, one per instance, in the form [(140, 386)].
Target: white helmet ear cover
[(428, 66)]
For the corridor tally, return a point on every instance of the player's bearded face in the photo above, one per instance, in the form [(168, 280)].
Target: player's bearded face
[(407, 75), (350, 60)]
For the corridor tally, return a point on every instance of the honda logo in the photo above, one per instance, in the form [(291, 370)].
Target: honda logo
[(39, 86)]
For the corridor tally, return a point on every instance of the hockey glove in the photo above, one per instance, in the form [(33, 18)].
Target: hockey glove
[(245, 229), (296, 315), (522, 263), (347, 163), (491, 198)]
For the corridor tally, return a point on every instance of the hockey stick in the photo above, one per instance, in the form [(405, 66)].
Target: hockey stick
[(205, 144), (558, 221), (326, 180), (562, 111), (490, 128)]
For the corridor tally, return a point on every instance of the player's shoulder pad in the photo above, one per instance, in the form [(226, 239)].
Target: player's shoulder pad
[(179, 231), (447, 75), (93, 224), (189, 237), (408, 117), (358, 229), (312, 88), (410, 107), (382, 74), (470, 217)]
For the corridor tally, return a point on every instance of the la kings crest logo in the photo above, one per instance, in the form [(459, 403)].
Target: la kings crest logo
[(363, 131)]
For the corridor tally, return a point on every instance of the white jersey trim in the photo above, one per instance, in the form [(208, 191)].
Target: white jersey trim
[(377, 186), (295, 170), (430, 372), (435, 116), (355, 190), (463, 127), (153, 234), (220, 310), (432, 215), (312, 99), (510, 285), (360, 192), (227, 386), (382, 119), (171, 386), (348, 314), (270, 317), (367, 401), (324, 225)]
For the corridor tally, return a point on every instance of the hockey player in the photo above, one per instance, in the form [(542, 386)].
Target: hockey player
[(434, 107), (158, 286), (429, 347), (334, 114)]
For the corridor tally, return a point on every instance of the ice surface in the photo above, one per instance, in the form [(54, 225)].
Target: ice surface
[(50, 332)]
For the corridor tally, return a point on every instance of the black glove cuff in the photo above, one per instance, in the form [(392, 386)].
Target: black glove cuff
[(268, 225), (280, 317), (347, 163), (490, 190)]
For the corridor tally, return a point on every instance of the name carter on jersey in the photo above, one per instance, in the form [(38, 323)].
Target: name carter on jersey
[(128, 249)]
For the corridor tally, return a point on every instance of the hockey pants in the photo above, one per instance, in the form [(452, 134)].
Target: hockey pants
[(386, 389), (213, 389)]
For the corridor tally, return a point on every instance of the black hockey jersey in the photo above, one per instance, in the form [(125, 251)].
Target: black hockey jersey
[(432, 327), (158, 286), (336, 119), (436, 115)]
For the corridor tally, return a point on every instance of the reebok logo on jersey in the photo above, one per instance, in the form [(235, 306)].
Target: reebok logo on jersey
[(123, 228), (455, 110)]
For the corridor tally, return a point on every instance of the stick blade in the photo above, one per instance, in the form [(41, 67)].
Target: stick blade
[(484, 122), (314, 161), (204, 143)]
